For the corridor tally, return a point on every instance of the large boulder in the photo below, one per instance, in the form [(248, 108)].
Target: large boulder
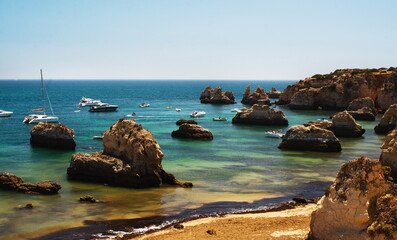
[(131, 157), (260, 114), (388, 121), (388, 93), (182, 121), (10, 181), (274, 93), (192, 131), (388, 156), (216, 96), (360, 204), (363, 114), (310, 138), (362, 109), (344, 125), (52, 136), (252, 98)]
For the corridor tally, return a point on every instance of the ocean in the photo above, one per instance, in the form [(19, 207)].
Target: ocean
[(234, 172)]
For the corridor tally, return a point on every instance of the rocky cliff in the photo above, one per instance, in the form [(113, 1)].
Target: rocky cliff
[(52, 136), (216, 96), (260, 115), (252, 98), (388, 93), (388, 121)]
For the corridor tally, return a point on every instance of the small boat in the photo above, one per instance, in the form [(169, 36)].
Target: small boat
[(5, 113), (178, 109), (169, 107), (274, 134), (88, 102), (104, 107), (197, 114), (219, 119), (97, 137), (235, 110), (143, 105)]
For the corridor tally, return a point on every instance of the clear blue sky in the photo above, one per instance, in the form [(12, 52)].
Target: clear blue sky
[(194, 39)]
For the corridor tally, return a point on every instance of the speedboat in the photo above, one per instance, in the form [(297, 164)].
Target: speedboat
[(143, 105), (197, 114), (273, 134), (5, 113), (36, 118), (235, 110), (178, 109), (219, 119), (88, 102), (97, 137), (104, 107)]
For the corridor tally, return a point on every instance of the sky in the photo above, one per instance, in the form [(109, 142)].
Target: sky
[(194, 39)]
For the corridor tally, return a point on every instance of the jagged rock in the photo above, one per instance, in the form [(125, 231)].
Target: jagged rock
[(335, 90), (360, 204), (182, 121), (343, 125), (52, 136), (274, 93), (388, 93), (253, 98), (131, 157), (260, 115), (388, 156), (310, 138), (10, 181), (216, 96), (388, 121), (192, 131)]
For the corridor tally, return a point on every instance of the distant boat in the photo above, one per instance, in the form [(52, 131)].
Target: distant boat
[(274, 134), (5, 113), (178, 109), (169, 107), (219, 119), (235, 110), (144, 105), (104, 107), (36, 118), (197, 114), (97, 137), (88, 102)]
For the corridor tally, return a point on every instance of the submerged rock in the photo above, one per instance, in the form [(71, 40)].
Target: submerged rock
[(88, 198), (260, 115), (274, 93), (216, 96), (388, 121), (52, 136), (310, 138), (253, 98), (192, 131), (182, 121), (388, 156), (131, 157), (10, 181)]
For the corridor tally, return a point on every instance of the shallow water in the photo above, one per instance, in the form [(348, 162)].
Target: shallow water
[(240, 164)]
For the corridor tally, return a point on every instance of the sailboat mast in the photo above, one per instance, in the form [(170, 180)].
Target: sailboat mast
[(42, 91)]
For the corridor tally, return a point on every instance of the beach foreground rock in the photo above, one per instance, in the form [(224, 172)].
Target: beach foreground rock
[(252, 98), (216, 96), (388, 121), (10, 181), (52, 136), (310, 138), (131, 157), (192, 131), (260, 114)]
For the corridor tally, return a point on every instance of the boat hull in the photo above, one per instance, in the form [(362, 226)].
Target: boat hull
[(103, 109)]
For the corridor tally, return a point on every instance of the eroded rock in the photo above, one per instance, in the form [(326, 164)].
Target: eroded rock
[(362, 109), (182, 121), (388, 93), (388, 121), (344, 125), (11, 181), (253, 98), (274, 93), (192, 131), (52, 136), (260, 115), (216, 96)]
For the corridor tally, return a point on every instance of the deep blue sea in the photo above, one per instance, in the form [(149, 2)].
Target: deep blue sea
[(239, 165)]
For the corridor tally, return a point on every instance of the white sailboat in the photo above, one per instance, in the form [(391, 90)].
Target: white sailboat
[(36, 118)]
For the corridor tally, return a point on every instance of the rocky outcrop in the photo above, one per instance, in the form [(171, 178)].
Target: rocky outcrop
[(363, 114), (182, 121), (362, 109), (360, 204), (260, 115), (388, 121), (52, 136), (335, 90), (192, 131), (216, 96), (388, 156), (388, 93), (253, 98), (310, 138), (9, 181), (274, 93), (131, 157), (344, 125)]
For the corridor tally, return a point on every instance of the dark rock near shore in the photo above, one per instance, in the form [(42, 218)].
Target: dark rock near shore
[(388, 121), (182, 121), (216, 96), (310, 138), (10, 181), (260, 115), (131, 157), (192, 131), (254, 97), (52, 136)]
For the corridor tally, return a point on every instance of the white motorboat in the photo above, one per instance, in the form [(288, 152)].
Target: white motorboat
[(36, 118), (5, 113), (178, 109), (103, 107), (235, 110), (88, 102), (219, 119), (273, 134), (197, 114), (144, 105)]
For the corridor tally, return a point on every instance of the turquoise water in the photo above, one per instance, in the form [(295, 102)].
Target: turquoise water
[(240, 164)]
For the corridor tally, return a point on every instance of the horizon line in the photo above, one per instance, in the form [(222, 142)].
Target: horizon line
[(150, 79)]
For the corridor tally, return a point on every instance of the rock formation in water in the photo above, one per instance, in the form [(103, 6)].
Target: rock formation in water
[(337, 89), (360, 204), (362, 109), (9, 181), (388, 121), (131, 157), (52, 136), (388, 156), (192, 131), (274, 93), (310, 138), (216, 96), (388, 93), (260, 114), (182, 121), (252, 98)]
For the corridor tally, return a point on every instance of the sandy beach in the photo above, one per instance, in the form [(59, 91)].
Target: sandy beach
[(280, 225)]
